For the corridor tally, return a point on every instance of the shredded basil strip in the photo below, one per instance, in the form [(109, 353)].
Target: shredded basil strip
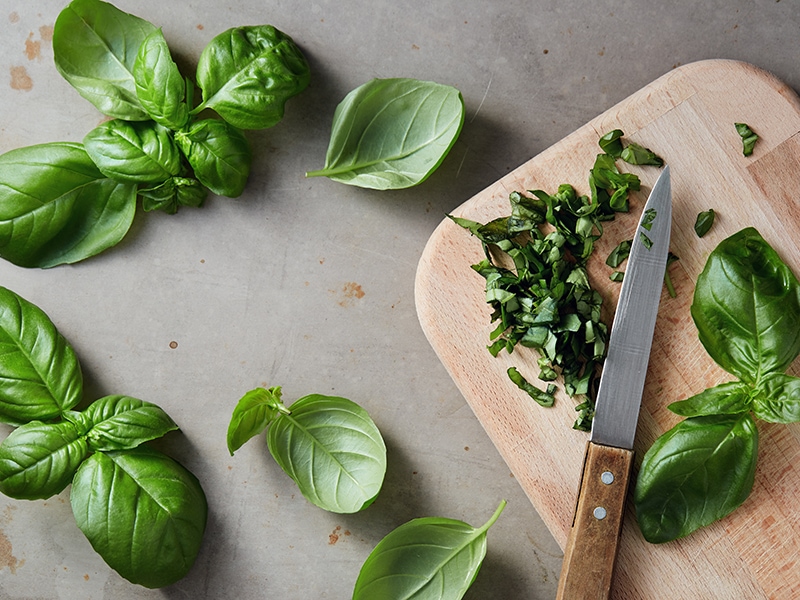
[(749, 138)]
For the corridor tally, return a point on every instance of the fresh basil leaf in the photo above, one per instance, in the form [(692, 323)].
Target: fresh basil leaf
[(749, 137), (56, 207), (144, 513), (38, 460), (746, 307), (332, 449), (619, 254), (122, 423), (778, 398), (392, 133), (541, 397), (160, 86), (40, 377), (253, 413), (611, 143), (635, 154), (431, 558), (172, 194), (248, 73), (133, 152), (694, 474), (95, 46), (704, 221), (219, 154), (724, 399)]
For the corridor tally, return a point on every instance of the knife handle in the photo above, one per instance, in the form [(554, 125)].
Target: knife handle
[(591, 550)]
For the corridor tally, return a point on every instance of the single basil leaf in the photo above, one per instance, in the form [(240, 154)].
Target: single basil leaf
[(431, 558), (392, 133), (172, 194), (611, 143), (746, 307), (38, 460), (122, 423), (40, 377), (635, 154), (56, 207), (619, 254), (160, 86), (219, 154), (94, 47), (540, 396), (694, 474), (778, 398), (134, 152), (332, 449), (725, 399), (704, 221), (248, 73), (144, 513), (749, 138), (253, 413)]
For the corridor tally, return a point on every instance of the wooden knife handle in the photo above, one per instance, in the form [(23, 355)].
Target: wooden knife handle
[(591, 549)]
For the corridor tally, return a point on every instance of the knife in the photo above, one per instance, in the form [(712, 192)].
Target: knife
[(591, 550)]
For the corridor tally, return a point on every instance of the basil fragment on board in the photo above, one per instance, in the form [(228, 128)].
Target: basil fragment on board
[(749, 138), (704, 221)]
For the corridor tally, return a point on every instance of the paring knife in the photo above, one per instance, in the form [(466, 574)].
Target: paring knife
[(591, 549)]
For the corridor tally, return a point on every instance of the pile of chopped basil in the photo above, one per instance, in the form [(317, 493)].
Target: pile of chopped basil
[(545, 301)]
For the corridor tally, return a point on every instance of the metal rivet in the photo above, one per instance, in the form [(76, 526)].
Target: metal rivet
[(607, 477), (599, 513)]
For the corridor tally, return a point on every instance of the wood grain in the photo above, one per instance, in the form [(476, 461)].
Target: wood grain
[(687, 116)]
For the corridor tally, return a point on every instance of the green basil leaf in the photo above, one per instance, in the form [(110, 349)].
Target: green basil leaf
[(619, 254), (611, 143), (635, 154), (56, 207), (122, 422), (40, 377), (392, 133), (144, 513), (38, 460), (673, 494), (541, 397), (725, 399), (219, 154), (94, 47), (160, 86), (431, 558), (248, 73), (172, 194), (704, 221), (749, 137), (778, 400), (746, 307), (332, 449), (133, 152), (253, 413)]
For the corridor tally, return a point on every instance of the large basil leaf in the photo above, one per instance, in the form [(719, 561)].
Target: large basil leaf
[(724, 399), (56, 207), (778, 399), (134, 152), (40, 376), (121, 422), (160, 86), (142, 512), (425, 559), (332, 449), (95, 46), (248, 73), (392, 133), (746, 307), (694, 474), (38, 460), (253, 413)]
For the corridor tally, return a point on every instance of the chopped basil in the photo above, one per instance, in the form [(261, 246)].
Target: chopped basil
[(619, 254), (749, 138), (545, 398), (648, 243), (704, 222), (639, 155), (671, 258), (611, 143), (617, 276)]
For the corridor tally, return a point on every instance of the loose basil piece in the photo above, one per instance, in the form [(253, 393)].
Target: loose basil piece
[(121, 423), (392, 133), (749, 138), (431, 558), (639, 155), (160, 86), (253, 413), (704, 221), (142, 512), (543, 398), (619, 254), (611, 143)]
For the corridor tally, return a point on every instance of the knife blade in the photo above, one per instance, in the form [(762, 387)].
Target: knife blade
[(590, 554)]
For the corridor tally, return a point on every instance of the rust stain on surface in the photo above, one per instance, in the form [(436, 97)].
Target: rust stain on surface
[(46, 33), (351, 292), (334, 536), (7, 558), (20, 80), (14, 17), (33, 48)]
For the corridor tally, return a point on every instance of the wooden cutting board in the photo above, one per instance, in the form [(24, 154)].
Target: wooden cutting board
[(687, 116)]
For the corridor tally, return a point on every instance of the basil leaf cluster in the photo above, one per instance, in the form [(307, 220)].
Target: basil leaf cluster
[(746, 308), (144, 513)]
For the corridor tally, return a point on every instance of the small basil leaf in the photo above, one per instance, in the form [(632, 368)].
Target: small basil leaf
[(219, 154), (94, 47), (392, 133), (160, 86), (144, 513), (172, 194), (700, 454), (38, 460), (749, 137), (635, 154), (704, 221), (133, 152), (122, 422), (431, 558), (253, 413), (611, 143), (332, 449), (40, 377), (248, 73), (619, 254), (540, 396), (725, 399), (779, 399)]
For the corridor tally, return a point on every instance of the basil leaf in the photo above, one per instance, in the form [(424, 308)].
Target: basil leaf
[(142, 512), (541, 397), (392, 133), (611, 143), (635, 154), (172, 194), (704, 221), (428, 558), (749, 137), (725, 399), (56, 207), (746, 307), (248, 73), (94, 47), (133, 152), (619, 254), (694, 474), (219, 154), (121, 422), (253, 413), (40, 377), (779, 399), (332, 449), (160, 86), (38, 460)]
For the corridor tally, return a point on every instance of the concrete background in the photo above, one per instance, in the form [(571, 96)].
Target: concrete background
[(308, 284)]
